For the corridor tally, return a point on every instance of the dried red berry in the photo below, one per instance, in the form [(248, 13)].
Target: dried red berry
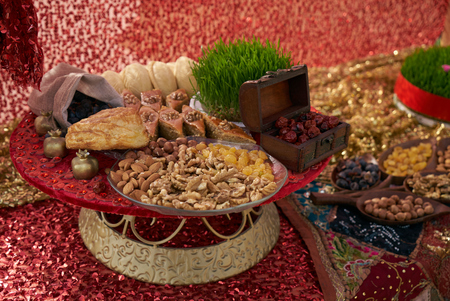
[(281, 122), (290, 137), (309, 124), (302, 117), (300, 128), (313, 132), (311, 115), (318, 119), (324, 127), (284, 130), (333, 121), (302, 139), (99, 187)]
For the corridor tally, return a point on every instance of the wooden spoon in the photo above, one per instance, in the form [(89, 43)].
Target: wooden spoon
[(358, 202)]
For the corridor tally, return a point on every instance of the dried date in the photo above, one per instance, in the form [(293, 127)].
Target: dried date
[(290, 137)]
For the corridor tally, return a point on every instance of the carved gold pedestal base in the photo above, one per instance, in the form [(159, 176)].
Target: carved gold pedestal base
[(154, 264)]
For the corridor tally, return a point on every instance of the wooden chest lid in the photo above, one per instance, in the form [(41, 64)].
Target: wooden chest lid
[(284, 92)]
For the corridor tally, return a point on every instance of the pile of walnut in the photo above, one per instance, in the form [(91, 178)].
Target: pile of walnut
[(430, 186), (396, 209), (190, 182)]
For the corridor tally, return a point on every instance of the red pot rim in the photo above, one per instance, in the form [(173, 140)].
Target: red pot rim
[(421, 101)]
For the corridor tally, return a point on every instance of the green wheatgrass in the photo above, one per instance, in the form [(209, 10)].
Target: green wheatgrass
[(223, 68), (424, 69)]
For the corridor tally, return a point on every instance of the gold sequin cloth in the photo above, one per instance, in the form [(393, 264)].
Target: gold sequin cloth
[(359, 92)]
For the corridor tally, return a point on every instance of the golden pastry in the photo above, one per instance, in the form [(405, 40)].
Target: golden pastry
[(224, 130), (117, 128)]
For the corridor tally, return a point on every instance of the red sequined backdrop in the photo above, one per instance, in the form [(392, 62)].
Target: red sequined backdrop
[(42, 255)]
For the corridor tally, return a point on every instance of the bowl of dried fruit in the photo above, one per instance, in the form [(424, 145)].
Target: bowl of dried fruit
[(407, 158), (355, 174), (198, 177)]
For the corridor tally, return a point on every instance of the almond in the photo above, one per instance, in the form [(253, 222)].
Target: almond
[(115, 177), (145, 174), (133, 174), (140, 181), (125, 177), (121, 184), (136, 194), (134, 182), (128, 188), (125, 161), (136, 168), (149, 161), (146, 184), (155, 167)]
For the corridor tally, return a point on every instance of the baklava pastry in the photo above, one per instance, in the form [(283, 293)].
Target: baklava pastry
[(153, 99), (170, 123), (177, 99), (193, 124), (224, 130), (130, 100), (150, 118)]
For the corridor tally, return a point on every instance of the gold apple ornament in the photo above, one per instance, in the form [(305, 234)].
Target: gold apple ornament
[(84, 166), (55, 145)]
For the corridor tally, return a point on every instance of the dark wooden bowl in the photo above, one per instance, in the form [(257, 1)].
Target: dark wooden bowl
[(431, 163), (425, 173), (358, 202)]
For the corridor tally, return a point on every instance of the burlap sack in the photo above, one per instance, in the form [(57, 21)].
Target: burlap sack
[(58, 87)]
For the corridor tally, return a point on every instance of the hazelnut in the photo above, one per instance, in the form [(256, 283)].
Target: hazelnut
[(168, 147), (426, 204), (383, 202), (368, 208), (390, 202), (152, 145), (413, 214), (428, 209), (390, 216), (366, 202), (382, 213), (409, 198), (394, 209), (161, 141), (158, 152), (418, 201), (420, 212), (375, 200), (375, 212), (407, 216), (400, 216), (192, 143), (406, 207), (181, 141), (171, 158), (395, 197)]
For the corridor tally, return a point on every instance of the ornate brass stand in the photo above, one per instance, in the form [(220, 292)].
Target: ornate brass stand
[(148, 262)]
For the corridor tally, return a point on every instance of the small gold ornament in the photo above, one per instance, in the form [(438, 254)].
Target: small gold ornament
[(84, 166), (55, 145)]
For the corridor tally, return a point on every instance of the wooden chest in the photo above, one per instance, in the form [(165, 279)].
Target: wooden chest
[(286, 93)]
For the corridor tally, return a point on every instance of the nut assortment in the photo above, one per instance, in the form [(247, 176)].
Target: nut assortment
[(194, 176), (404, 162), (443, 160), (305, 127), (431, 186), (396, 209)]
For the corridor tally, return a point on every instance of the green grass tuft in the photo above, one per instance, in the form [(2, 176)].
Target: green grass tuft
[(424, 70), (223, 68)]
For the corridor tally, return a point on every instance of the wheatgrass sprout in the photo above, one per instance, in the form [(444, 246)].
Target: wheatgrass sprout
[(223, 68)]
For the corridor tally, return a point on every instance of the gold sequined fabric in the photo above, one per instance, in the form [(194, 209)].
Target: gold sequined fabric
[(14, 190)]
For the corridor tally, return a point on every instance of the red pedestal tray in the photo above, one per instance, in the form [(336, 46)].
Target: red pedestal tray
[(55, 178)]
